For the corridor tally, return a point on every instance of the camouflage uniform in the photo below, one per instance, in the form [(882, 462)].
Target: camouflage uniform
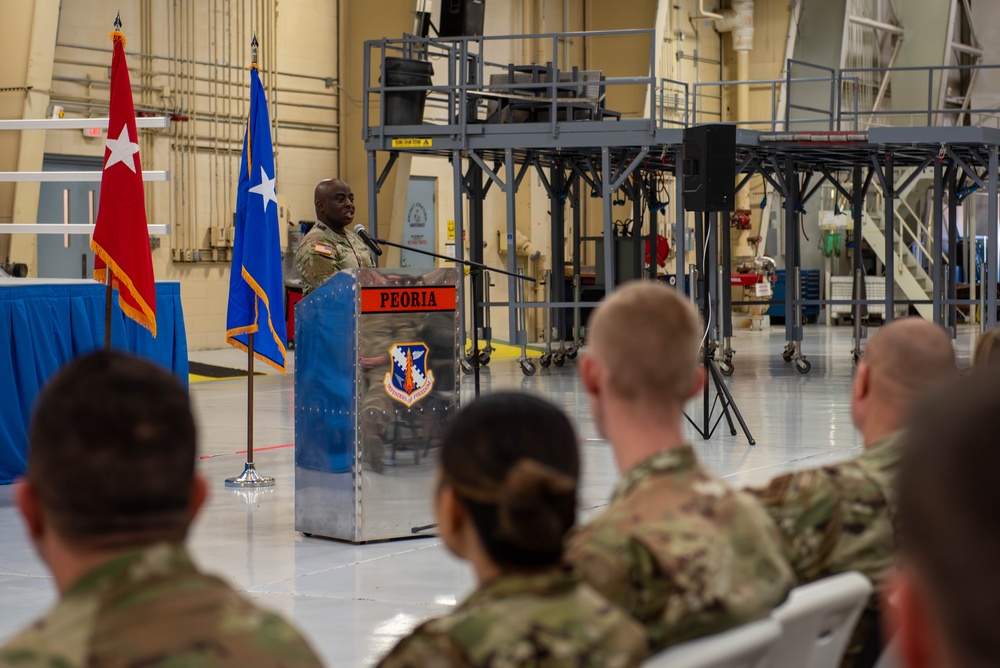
[(547, 620), (152, 608), (840, 518), (682, 552), (323, 252)]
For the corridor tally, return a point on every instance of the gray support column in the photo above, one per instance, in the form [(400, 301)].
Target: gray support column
[(609, 237), (952, 282), (680, 228), (791, 248), (890, 239), (458, 183), (651, 239), (557, 205), (937, 241), (857, 209), (991, 241), (637, 239), (476, 195), (577, 226), (515, 305), (373, 197)]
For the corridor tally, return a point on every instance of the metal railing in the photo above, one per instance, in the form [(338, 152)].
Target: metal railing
[(468, 71)]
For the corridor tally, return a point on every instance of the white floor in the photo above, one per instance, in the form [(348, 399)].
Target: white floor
[(354, 602)]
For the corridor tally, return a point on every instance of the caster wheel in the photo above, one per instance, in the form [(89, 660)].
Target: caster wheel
[(545, 360), (559, 359), (528, 368), (571, 354), (466, 366), (484, 358), (803, 366), (786, 356), (726, 368)]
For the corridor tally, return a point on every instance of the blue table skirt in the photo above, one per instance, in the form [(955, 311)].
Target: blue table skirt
[(43, 325)]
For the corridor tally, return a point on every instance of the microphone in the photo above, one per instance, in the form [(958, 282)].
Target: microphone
[(359, 230)]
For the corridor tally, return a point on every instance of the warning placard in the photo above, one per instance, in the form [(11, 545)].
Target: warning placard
[(413, 142)]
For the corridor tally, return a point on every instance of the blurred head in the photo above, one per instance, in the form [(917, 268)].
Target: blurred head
[(947, 593), (508, 481), (902, 360), (112, 456), (334, 204), (987, 348), (643, 344)]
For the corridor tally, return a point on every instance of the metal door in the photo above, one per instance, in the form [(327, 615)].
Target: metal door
[(69, 255), (420, 224)]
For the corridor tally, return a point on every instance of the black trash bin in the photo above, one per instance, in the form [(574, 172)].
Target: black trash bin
[(406, 107)]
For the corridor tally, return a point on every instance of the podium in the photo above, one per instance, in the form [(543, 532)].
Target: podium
[(376, 384)]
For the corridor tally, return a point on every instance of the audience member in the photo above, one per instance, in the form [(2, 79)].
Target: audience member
[(505, 500), (839, 517), (987, 348), (109, 496), (945, 599), (681, 551)]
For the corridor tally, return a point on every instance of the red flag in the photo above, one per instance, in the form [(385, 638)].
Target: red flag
[(121, 238)]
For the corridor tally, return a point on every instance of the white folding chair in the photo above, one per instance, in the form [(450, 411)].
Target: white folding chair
[(817, 621), (745, 646)]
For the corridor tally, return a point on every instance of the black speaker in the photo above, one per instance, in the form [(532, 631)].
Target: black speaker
[(462, 18), (709, 166)]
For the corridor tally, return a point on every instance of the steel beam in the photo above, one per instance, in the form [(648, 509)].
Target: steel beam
[(887, 177), (680, 230), (510, 190), (937, 241), (609, 237), (458, 184), (991, 240), (952, 283)]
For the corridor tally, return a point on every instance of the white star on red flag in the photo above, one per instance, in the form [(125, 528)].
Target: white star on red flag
[(122, 150)]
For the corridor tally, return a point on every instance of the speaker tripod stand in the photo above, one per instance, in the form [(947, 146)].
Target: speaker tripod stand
[(713, 281)]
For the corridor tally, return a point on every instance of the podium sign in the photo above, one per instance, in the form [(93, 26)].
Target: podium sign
[(376, 383)]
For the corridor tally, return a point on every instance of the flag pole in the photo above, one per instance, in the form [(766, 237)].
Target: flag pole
[(107, 269), (250, 477), (107, 309)]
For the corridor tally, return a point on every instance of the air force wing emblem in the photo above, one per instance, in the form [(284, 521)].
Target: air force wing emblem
[(410, 380)]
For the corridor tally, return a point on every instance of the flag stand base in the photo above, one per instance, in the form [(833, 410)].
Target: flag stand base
[(250, 478)]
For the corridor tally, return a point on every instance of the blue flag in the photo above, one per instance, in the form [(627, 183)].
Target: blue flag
[(256, 288)]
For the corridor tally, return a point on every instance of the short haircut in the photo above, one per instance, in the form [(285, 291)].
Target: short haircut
[(987, 348), (648, 337), (949, 529), (513, 462), (112, 452), (907, 357)]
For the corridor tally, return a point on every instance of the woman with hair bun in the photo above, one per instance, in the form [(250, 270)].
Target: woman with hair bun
[(505, 500)]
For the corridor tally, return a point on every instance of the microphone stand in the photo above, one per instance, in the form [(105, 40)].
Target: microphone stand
[(476, 270)]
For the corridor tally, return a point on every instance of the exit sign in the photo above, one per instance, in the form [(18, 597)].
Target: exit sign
[(92, 132)]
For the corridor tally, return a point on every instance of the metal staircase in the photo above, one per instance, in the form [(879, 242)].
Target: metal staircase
[(911, 226)]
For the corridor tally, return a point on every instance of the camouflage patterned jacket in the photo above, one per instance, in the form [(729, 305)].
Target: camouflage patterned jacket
[(684, 553), (546, 620), (152, 608), (323, 252), (840, 517)]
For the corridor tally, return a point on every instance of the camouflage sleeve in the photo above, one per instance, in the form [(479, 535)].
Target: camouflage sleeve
[(804, 505), (628, 575), (424, 649), (315, 267)]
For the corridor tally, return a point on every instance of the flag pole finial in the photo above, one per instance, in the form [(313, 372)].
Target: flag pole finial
[(118, 21), (253, 48)]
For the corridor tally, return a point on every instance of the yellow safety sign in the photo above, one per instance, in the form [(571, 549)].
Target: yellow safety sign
[(413, 142), (451, 231)]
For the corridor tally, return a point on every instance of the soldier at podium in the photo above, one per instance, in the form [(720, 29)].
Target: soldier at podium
[(329, 246), (326, 249)]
